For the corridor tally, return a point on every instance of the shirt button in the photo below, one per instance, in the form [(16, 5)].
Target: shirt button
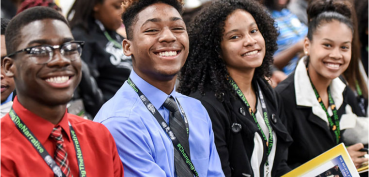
[(242, 111), (274, 119)]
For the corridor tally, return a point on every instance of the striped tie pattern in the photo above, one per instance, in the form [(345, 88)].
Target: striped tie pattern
[(178, 127), (61, 156)]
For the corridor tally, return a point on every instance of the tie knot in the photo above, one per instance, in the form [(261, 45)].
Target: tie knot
[(57, 133), (171, 104)]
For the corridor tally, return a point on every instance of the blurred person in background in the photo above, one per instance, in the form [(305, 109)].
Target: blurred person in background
[(33, 3), (7, 82), (298, 7), (9, 8), (96, 22), (291, 35)]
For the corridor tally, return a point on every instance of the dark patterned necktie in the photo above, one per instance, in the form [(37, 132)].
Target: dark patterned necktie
[(61, 156), (178, 127)]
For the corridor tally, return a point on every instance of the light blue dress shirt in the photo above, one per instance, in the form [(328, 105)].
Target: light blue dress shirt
[(143, 146)]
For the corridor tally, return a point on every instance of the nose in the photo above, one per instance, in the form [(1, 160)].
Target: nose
[(59, 60), (2, 74), (249, 41), (336, 53), (167, 36)]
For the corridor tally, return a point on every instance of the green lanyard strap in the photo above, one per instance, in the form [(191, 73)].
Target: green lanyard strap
[(22, 127), (334, 125), (269, 143), (116, 44), (358, 89)]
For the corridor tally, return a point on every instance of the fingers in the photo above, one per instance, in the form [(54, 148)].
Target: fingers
[(356, 155)]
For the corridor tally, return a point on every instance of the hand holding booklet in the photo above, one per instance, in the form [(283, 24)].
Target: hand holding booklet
[(332, 163)]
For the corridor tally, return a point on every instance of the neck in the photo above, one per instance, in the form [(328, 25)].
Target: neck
[(163, 83), (320, 83), (243, 80), (52, 114)]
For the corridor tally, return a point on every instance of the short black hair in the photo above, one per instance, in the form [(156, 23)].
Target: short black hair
[(204, 66), (13, 34), (130, 14), (4, 24), (320, 12)]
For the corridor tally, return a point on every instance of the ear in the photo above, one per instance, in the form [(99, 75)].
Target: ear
[(127, 47), (307, 46), (8, 66), (97, 7)]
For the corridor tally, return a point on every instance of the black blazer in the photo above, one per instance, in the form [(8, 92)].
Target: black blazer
[(235, 148), (312, 136)]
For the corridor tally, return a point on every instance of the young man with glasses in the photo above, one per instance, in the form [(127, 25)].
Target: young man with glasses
[(38, 136)]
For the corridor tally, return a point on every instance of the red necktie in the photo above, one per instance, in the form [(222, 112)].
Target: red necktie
[(61, 156)]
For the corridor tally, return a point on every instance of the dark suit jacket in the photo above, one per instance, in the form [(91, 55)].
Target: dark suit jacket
[(235, 148), (312, 136)]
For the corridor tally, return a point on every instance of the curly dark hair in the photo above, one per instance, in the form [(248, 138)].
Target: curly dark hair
[(204, 66)]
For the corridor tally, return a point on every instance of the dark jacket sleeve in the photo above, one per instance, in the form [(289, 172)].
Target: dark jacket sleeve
[(88, 89), (218, 119), (283, 167)]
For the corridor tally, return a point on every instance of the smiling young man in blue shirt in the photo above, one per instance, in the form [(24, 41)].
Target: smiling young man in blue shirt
[(157, 41)]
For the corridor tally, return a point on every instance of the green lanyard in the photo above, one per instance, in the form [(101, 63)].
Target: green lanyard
[(335, 126), (358, 89), (22, 127), (269, 143), (116, 44), (108, 37)]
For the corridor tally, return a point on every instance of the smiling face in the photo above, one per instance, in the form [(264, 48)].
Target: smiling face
[(109, 13), (7, 83), (49, 84), (159, 44), (243, 46), (329, 50)]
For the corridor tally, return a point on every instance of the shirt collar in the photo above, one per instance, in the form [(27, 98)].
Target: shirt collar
[(305, 95), (8, 99), (40, 127), (155, 95)]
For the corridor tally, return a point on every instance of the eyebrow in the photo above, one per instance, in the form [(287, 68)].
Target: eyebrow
[(333, 41), (235, 30), (46, 41), (155, 20)]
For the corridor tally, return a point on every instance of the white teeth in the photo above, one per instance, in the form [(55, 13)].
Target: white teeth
[(168, 53), (59, 79), (251, 53), (333, 66)]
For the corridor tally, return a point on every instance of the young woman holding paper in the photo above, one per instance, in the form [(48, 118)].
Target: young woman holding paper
[(320, 106)]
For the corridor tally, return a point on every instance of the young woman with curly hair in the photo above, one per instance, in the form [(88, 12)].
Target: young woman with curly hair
[(321, 106), (231, 48)]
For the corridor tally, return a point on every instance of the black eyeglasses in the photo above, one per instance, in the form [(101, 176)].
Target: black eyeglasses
[(44, 53)]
